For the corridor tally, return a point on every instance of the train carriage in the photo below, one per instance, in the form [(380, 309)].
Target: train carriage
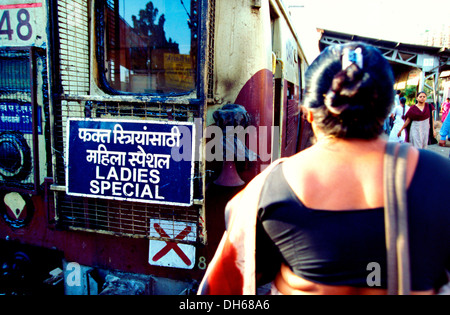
[(125, 128)]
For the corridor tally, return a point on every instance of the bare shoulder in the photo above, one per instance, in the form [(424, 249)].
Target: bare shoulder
[(354, 170), (413, 155), (413, 161), (303, 159), (307, 166)]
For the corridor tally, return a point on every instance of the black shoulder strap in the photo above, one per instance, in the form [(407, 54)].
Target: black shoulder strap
[(396, 219), (268, 181)]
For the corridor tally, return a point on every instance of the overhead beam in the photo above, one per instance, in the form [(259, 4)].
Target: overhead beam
[(394, 55)]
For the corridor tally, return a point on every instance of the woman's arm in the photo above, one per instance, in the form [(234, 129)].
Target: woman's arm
[(432, 122), (407, 122), (444, 132)]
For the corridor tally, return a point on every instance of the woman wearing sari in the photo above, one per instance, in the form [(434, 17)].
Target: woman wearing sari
[(419, 121), (445, 109)]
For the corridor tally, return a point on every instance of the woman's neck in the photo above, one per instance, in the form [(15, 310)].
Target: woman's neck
[(421, 105), (349, 145)]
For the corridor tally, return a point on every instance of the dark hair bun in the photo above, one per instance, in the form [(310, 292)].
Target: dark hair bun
[(352, 82), (344, 87)]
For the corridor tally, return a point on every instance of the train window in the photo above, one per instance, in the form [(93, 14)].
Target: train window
[(151, 46)]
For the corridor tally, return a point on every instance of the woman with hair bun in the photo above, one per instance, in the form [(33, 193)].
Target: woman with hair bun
[(313, 223)]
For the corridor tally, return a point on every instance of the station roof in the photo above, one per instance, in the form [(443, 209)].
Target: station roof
[(442, 52)]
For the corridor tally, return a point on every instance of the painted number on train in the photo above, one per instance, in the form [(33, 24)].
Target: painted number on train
[(17, 23)]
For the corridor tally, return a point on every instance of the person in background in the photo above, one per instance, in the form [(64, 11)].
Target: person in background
[(314, 222), (389, 121), (397, 98), (445, 109), (419, 122), (444, 133), (398, 115)]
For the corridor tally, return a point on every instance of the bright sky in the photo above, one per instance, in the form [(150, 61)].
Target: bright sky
[(397, 20)]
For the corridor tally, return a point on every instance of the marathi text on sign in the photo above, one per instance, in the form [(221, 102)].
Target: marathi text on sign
[(130, 160)]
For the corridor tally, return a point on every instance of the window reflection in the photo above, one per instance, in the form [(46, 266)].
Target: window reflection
[(151, 46)]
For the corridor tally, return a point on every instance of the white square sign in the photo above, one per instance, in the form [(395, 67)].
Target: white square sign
[(172, 254)]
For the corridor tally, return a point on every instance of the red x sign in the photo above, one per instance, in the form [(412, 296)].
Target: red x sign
[(169, 252)]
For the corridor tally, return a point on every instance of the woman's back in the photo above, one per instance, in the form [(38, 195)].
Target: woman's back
[(342, 174), (328, 182), (320, 214)]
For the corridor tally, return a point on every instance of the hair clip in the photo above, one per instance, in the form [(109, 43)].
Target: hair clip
[(352, 57)]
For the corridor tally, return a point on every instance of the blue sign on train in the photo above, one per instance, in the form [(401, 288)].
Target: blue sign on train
[(131, 160), (18, 117)]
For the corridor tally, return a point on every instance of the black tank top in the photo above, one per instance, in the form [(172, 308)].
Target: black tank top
[(346, 247)]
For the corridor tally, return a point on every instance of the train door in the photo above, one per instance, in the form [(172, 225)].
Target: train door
[(277, 84), (287, 66), (305, 130)]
